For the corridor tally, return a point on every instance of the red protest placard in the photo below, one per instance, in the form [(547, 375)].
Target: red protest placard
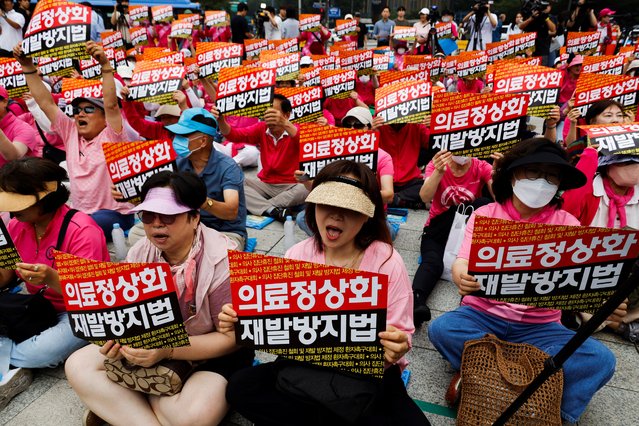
[(523, 42), (404, 34), (406, 75), (316, 313), (285, 65), (403, 102), (287, 45), (155, 82), (541, 83), (358, 60), (215, 18), (181, 28), (321, 145), (309, 22), (9, 255), (162, 13), (607, 64), (595, 87), (500, 50), (193, 18), (77, 88), (253, 47), (90, 69), (214, 56), (139, 36), (117, 57), (12, 78), (112, 39), (338, 84), (381, 62), (306, 103), (614, 138), (138, 13), (55, 67), (584, 43), (476, 125), (58, 30), (550, 266), (444, 29), (471, 64), (309, 76), (162, 55), (345, 27), (245, 91), (326, 62), (134, 304), (130, 164), (340, 46), (424, 63)]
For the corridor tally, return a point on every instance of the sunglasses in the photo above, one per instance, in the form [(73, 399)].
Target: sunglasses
[(86, 109), (353, 125), (149, 217)]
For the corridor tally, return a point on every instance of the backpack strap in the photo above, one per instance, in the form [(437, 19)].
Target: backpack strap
[(64, 227)]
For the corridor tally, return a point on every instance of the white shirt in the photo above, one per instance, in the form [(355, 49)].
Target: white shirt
[(486, 32), (272, 33), (11, 36)]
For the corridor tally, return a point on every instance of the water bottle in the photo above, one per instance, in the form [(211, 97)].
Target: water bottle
[(119, 242), (289, 233)]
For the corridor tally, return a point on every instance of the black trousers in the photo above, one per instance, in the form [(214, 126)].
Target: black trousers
[(252, 393)]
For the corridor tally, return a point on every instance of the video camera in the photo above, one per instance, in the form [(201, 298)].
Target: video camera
[(531, 6), (434, 14), (260, 19)]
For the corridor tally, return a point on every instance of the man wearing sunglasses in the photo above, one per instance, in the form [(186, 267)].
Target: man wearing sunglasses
[(95, 121)]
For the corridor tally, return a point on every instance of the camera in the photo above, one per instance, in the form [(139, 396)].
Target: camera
[(122, 8), (529, 7)]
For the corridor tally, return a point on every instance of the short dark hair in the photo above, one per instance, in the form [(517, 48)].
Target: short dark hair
[(386, 7), (27, 176), (285, 104), (502, 179), (270, 9), (188, 187), (599, 107), (375, 228), (241, 7), (401, 8)]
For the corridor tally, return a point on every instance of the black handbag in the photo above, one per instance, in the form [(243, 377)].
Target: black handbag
[(49, 151), (348, 396), (23, 316)]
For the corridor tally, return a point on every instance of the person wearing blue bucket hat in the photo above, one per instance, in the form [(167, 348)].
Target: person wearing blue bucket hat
[(225, 208)]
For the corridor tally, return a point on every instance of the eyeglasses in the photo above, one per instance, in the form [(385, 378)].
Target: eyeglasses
[(87, 110), (534, 173), (149, 217), (353, 125)]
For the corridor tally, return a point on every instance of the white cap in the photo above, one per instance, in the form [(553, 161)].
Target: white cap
[(306, 60), (424, 11), (633, 65), (348, 16), (124, 71)]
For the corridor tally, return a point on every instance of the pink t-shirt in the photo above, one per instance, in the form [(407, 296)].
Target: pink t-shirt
[(511, 311), (83, 238), (379, 258), (453, 191), (475, 87), (17, 130), (88, 175)]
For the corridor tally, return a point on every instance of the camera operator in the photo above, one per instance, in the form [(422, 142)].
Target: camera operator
[(480, 23), (582, 17), (538, 20), (120, 20), (272, 24)]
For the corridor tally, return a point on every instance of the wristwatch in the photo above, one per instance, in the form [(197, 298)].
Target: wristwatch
[(209, 203)]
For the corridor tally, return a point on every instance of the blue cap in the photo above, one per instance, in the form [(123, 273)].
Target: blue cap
[(195, 120)]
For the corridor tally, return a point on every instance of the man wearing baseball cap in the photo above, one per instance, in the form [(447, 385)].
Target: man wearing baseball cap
[(95, 121), (17, 138), (225, 207)]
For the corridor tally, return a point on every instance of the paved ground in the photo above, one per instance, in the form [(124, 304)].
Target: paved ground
[(50, 400)]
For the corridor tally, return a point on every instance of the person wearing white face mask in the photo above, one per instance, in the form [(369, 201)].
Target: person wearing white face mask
[(521, 197), (450, 180), (365, 87)]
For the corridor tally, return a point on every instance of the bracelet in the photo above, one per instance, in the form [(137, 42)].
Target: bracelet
[(29, 72), (106, 71)]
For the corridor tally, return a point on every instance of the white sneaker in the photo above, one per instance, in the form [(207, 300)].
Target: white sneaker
[(13, 383)]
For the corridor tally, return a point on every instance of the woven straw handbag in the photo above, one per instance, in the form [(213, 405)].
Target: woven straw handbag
[(494, 373)]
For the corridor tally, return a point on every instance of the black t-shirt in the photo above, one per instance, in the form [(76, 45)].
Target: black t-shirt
[(239, 28), (542, 42), (363, 30)]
